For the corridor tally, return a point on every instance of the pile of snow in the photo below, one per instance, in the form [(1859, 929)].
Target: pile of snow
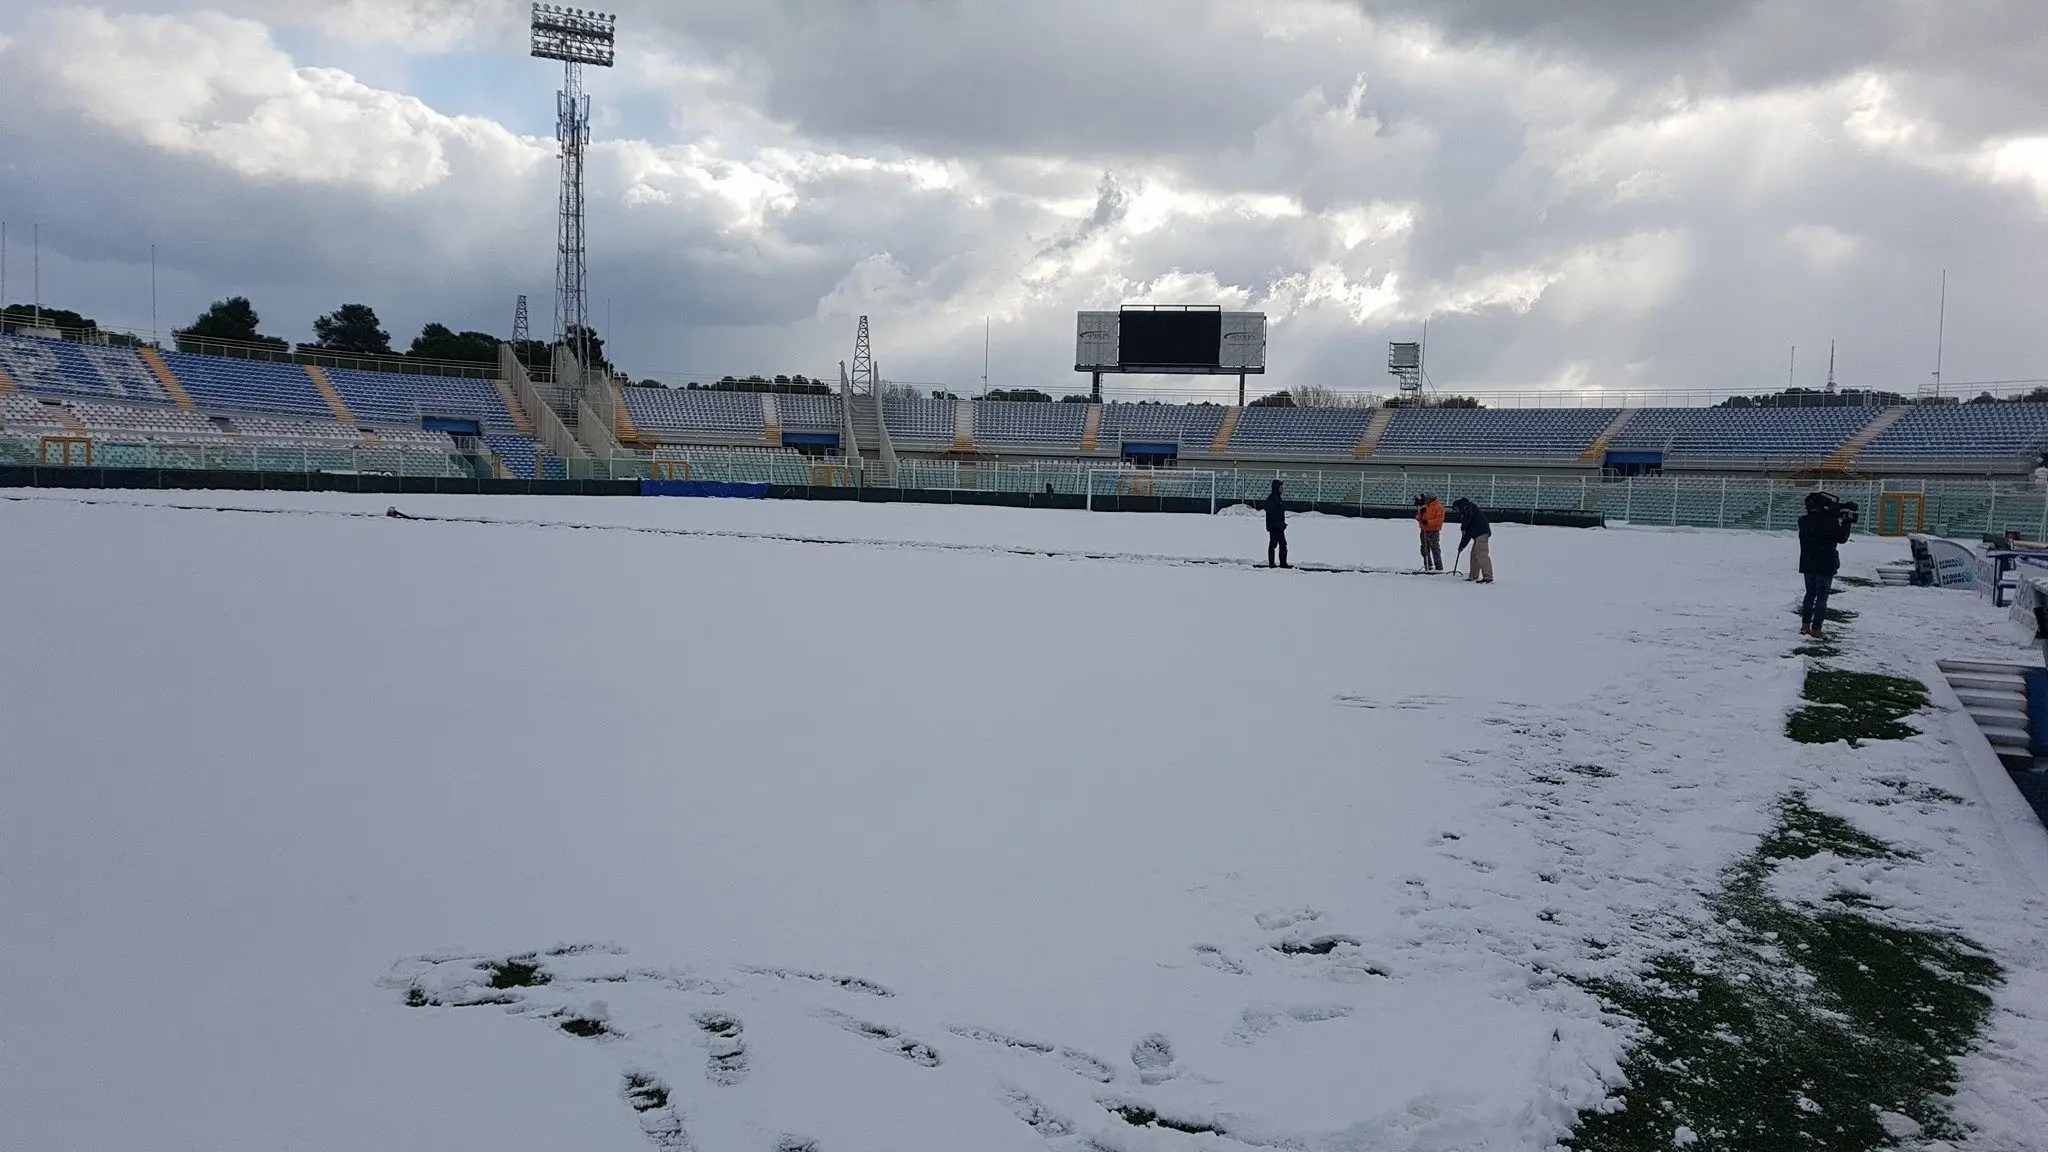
[(850, 826)]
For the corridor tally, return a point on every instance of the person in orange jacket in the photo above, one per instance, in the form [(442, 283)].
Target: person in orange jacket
[(1429, 516)]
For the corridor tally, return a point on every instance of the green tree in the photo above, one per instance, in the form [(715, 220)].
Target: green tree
[(593, 343), (1018, 395), (17, 316), (352, 328), (439, 342), (228, 327)]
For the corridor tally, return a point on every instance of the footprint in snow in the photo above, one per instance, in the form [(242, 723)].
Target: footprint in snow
[(1072, 1059), (1153, 1057), (887, 1039)]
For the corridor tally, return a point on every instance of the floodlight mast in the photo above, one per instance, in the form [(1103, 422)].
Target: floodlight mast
[(576, 38)]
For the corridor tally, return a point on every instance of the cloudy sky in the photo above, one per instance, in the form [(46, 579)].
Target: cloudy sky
[(1615, 193)]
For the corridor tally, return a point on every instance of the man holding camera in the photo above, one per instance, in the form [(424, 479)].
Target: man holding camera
[(1822, 532)]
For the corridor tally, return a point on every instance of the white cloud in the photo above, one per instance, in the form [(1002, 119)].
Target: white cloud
[(1823, 244), (219, 87)]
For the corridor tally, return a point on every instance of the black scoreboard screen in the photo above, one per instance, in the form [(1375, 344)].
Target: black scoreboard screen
[(1170, 338)]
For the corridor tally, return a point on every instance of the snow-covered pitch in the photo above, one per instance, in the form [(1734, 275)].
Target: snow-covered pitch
[(886, 827)]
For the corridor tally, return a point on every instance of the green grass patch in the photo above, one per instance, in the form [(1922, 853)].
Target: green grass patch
[(583, 1026), (1591, 771), (1857, 581), (518, 972), (1793, 1027), (1856, 706)]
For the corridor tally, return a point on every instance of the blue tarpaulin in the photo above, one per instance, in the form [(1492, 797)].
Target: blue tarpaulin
[(703, 488)]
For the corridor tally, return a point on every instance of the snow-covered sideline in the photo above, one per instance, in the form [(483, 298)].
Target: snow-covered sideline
[(909, 841)]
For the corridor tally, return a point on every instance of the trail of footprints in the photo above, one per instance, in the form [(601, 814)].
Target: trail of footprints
[(540, 986)]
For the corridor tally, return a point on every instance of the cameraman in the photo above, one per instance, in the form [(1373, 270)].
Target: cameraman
[(1822, 532)]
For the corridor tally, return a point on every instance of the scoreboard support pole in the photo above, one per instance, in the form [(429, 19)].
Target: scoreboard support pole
[(1095, 392), (1240, 389)]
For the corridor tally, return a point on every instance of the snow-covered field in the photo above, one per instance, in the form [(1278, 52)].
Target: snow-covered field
[(858, 825)]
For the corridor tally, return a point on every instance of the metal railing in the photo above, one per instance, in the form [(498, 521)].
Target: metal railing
[(1960, 507)]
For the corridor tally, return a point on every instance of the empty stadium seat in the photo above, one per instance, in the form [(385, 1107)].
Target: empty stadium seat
[(1193, 426), (803, 412), (920, 421), (1521, 433), (218, 384), (1963, 431), (63, 368), (698, 411), (1769, 434), (1015, 422), (1301, 431), (392, 399)]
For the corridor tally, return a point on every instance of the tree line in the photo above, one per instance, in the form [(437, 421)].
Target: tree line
[(232, 327)]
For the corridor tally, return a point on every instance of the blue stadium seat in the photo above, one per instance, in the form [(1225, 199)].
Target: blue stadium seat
[(920, 421), (1301, 431), (1963, 431), (695, 411), (218, 384), (93, 371), (389, 399), (1774, 434), (1015, 422)]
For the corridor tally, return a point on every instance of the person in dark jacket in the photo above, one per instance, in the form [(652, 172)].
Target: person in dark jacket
[(1276, 526), (1473, 529), (1822, 532)]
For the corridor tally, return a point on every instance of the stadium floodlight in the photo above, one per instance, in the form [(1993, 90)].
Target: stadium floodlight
[(574, 36)]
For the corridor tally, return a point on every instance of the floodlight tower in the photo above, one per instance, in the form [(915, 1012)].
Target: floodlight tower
[(1404, 360), (575, 37)]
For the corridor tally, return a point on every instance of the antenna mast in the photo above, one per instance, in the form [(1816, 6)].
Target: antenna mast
[(1831, 367), (522, 328), (576, 38)]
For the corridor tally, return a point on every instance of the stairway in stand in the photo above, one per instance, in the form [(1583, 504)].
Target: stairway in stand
[(1845, 456), (867, 432)]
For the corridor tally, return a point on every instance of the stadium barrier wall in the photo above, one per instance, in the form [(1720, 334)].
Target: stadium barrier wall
[(1954, 508), (187, 479)]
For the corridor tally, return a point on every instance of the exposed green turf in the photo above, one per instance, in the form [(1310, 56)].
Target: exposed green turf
[(581, 1026), (1790, 1027), (1855, 706), (1857, 581), (518, 972)]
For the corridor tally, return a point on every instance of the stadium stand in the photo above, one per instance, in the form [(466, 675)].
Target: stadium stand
[(1769, 434), (222, 385), (28, 416), (1301, 431), (807, 413), (924, 422), (695, 412), (1520, 433), (62, 368), (1010, 422), (319, 433), (116, 421), (517, 453), (1191, 426), (390, 399), (1962, 431), (118, 396)]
